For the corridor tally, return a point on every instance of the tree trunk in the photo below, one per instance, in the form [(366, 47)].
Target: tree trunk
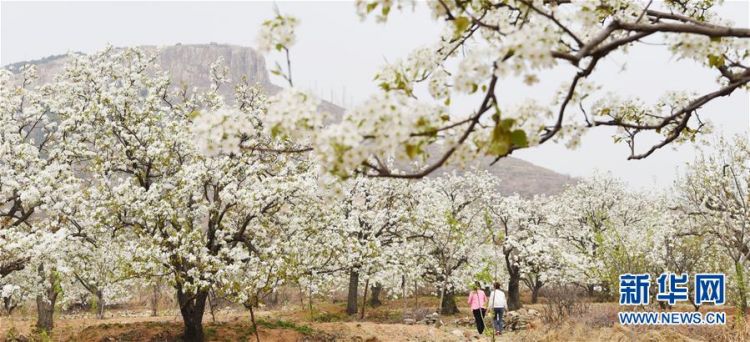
[(741, 288), (155, 301), (448, 303), (416, 296), (272, 299), (364, 298), (403, 294), (691, 298), (45, 311), (45, 303), (535, 291), (212, 305), (351, 298), (514, 293), (249, 306), (192, 308), (310, 301), (591, 290), (375, 296), (100, 304), (9, 305)]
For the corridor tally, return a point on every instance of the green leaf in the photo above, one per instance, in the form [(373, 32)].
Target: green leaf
[(500, 141), (518, 137), (371, 6), (500, 146), (385, 10), (460, 25), (412, 150), (507, 123), (715, 61), (275, 131)]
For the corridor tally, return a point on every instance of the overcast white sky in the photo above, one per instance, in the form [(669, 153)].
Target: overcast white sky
[(338, 54)]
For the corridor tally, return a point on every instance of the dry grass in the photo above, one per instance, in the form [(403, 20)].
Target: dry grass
[(575, 331), (330, 322), (600, 324)]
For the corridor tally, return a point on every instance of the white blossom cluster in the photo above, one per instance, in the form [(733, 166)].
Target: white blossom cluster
[(381, 126), (483, 45), (277, 33)]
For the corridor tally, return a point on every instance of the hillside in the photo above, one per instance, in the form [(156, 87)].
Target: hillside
[(189, 64), (522, 177)]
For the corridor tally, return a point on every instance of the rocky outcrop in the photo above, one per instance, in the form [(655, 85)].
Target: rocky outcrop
[(187, 64), (190, 64)]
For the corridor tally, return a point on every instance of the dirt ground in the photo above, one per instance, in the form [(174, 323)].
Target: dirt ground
[(330, 323), (370, 331), (228, 329)]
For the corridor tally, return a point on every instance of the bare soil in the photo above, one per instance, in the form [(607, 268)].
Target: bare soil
[(330, 323)]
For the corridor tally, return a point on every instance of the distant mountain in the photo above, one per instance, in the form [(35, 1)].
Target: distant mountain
[(522, 177), (189, 64)]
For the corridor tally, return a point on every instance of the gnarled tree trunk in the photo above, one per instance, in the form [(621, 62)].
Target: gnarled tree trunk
[(535, 294), (192, 307), (536, 287), (375, 296), (155, 300), (514, 289), (448, 303), (45, 312), (100, 304), (351, 298), (45, 303)]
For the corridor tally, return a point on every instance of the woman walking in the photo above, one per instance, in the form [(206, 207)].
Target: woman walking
[(498, 304), (477, 298)]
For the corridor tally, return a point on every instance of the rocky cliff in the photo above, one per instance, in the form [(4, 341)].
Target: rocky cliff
[(188, 64)]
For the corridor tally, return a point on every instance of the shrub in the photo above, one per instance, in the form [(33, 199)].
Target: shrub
[(563, 302)]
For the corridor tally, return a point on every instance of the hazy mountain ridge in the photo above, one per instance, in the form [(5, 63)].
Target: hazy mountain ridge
[(190, 63), (522, 177)]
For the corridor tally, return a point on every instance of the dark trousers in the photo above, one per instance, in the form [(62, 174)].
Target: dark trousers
[(497, 321), (479, 318)]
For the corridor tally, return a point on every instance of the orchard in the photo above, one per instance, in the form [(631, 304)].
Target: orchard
[(113, 176)]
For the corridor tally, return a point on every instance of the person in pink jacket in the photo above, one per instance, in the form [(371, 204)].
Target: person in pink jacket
[(477, 298)]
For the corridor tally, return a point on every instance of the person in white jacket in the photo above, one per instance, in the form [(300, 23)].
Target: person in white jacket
[(497, 304)]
